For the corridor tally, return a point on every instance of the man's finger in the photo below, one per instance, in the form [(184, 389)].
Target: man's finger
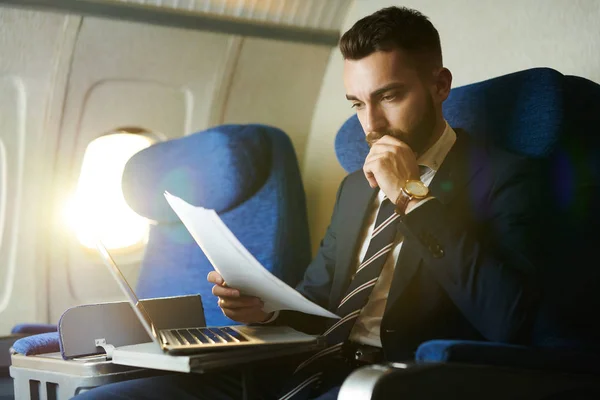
[(241, 302), (390, 140), (392, 144), (215, 277), (381, 150), (244, 315), (221, 291), (376, 156), (392, 147), (370, 177)]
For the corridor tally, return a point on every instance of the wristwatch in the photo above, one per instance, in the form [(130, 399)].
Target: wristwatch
[(412, 189)]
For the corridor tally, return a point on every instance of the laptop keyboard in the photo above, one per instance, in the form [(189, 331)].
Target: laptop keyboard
[(196, 336)]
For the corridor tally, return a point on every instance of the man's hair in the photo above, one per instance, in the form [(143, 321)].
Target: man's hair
[(394, 28)]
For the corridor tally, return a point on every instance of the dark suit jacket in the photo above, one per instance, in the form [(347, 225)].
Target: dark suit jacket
[(467, 266)]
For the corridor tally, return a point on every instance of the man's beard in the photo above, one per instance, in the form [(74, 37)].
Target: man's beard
[(418, 138)]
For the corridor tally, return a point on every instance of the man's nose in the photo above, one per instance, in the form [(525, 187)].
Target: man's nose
[(374, 120)]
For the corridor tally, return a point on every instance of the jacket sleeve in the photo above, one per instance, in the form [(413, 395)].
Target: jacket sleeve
[(488, 269)]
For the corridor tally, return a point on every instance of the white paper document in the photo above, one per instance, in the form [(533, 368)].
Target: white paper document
[(236, 265)]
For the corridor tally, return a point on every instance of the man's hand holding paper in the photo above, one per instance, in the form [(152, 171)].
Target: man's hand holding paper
[(243, 274), (238, 307)]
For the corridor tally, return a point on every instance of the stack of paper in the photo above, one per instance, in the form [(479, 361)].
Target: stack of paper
[(236, 265)]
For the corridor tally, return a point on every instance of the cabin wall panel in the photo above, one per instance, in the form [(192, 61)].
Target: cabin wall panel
[(109, 104), (277, 83), (12, 140), (31, 44), (480, 39)]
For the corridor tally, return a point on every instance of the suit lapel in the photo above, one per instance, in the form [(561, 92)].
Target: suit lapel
[(353, 214), (406, 266), (456, 171)]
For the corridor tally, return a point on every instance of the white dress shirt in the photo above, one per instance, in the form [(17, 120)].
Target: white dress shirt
[(366, 329)]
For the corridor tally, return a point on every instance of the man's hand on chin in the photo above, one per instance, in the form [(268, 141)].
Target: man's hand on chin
[(389, 164)]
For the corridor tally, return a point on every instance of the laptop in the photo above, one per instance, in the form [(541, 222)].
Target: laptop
[(199, 339)]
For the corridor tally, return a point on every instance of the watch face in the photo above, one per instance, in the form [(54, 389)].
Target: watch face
[(417, 188)]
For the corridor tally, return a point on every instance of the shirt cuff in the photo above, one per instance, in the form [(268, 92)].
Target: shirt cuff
[(273, 318), (419, 204)]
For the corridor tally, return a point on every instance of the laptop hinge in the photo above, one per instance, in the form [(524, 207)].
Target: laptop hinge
[(108, 348)]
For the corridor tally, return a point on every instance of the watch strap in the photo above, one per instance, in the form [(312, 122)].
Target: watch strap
[(402, 202)]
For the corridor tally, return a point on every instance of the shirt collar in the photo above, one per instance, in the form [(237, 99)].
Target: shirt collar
[(435, 155)]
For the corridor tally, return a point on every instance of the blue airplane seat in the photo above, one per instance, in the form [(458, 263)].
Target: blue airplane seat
[(249, 175), (552, 117)]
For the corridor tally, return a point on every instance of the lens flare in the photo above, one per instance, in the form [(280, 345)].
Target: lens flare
[(98, 208)]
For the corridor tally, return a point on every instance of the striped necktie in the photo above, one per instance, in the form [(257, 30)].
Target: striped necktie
[(309, 372)]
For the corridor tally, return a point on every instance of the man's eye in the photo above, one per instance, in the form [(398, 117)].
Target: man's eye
[(389, 97), (356, 105)]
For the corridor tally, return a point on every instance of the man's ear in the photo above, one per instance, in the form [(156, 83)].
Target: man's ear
[(443, 84)]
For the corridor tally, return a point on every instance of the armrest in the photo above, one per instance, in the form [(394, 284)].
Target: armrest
[(33, 329), (6, 343), (465, 382), (500, 354), (37, 344)]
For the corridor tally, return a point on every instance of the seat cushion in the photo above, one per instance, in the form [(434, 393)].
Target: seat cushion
[(218, 169)]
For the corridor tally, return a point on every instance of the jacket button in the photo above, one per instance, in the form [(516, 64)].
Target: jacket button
[(436, 250)]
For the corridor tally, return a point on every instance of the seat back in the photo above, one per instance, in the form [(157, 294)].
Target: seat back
[(249, 175), (544, 114), (568, 316)]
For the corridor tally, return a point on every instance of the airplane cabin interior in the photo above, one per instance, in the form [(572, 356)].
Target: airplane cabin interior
[(239, 106)]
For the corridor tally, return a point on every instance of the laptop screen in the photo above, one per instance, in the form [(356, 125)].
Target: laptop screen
[(137, 306)]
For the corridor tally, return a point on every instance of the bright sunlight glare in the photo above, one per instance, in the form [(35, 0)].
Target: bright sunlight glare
[(98, 209)]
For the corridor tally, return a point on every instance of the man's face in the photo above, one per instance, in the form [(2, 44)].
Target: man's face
[(391, 98)]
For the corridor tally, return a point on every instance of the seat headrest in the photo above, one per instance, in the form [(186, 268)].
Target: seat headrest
[(351, 148), (218, 168), (520, 112)]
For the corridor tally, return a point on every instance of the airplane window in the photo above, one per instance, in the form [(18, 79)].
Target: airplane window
[(98, 208)]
